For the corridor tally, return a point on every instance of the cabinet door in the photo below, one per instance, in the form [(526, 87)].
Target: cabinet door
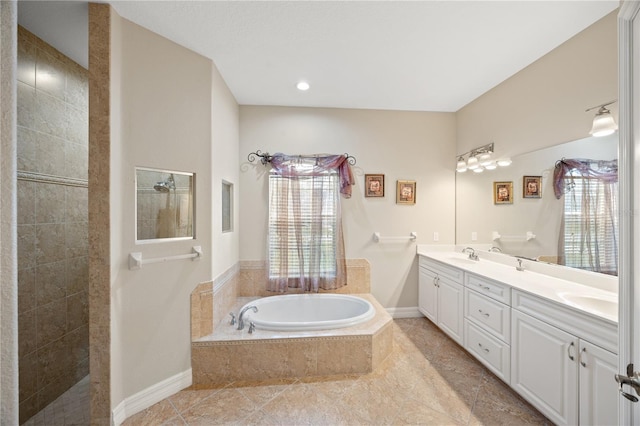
[(450, 302), (598, 390), (428, 295), (544, 367)]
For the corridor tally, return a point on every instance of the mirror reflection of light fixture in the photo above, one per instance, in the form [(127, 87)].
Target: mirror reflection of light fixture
[(478, 159), (603, 122), (461, 166), (504, 162)]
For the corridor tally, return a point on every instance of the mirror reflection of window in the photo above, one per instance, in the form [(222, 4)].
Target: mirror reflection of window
[(164, 205)]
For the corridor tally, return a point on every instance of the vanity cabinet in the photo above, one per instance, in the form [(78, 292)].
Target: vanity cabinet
[(555, 367), (487, 323), (440, 297)]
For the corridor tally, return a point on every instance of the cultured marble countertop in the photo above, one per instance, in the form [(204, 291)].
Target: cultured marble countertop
[(552, 288)]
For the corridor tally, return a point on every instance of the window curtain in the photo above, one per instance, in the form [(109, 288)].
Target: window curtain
[(589, 227), (306, 244)]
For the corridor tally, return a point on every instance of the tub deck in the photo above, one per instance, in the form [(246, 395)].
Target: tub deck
[(228, 354)]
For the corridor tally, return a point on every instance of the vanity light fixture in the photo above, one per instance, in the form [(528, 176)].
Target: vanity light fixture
[(461, 166), (504, 162), (303, 86), (491, 165), (477, 159), (603, 122)]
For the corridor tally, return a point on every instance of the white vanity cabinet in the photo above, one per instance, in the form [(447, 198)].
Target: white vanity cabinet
[(554, 365), (487, 322), (440, 296)]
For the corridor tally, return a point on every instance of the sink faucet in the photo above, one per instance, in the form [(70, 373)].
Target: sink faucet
[(497, 249), (519, 267), (472, 253), (241, 315)]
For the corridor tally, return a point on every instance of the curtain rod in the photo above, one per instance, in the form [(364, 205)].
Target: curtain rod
[(266, 158)]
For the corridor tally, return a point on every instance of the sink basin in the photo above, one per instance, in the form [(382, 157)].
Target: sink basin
[(604, 305)]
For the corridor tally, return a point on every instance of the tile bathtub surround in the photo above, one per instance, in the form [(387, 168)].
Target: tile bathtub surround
[(202, 310), (427, 379), (253, 276), (228, 354), (52, 223)]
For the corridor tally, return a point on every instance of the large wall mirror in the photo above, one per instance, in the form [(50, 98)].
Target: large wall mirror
[(164, 205), (576, 230)]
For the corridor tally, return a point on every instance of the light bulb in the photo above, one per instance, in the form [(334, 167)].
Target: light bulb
[(303, 85), (504, 162)]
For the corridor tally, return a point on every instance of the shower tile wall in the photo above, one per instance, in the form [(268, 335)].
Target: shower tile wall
[(52, 223)]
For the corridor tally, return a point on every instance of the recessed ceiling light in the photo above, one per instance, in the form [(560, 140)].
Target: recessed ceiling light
[(303, 85)]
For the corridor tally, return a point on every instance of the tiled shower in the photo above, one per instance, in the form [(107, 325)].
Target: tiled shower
[(53, 278)]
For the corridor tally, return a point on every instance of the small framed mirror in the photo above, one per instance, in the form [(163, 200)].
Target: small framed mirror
[(165, 204), (227, 206)]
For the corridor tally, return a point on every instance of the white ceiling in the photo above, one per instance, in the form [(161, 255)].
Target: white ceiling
[(417, 55)]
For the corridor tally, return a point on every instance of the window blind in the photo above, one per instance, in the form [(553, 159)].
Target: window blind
[(303, 215)]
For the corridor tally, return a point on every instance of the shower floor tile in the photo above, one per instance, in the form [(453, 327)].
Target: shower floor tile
[(71, 408)]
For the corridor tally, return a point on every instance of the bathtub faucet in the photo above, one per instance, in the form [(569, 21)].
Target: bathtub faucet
[(241, 315)]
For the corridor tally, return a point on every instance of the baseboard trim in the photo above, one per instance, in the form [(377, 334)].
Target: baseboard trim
[(411, 312), (151, 395)]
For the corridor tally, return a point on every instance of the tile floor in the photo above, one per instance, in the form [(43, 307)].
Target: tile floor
[(428, 379), (71, 408)]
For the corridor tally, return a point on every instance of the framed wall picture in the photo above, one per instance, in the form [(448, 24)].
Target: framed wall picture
[(502, 192), (531, 186), (406, 192), (373, 185)]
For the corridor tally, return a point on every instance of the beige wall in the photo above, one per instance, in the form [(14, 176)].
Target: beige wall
[(161, 118), (416, 146), (224, 166), (545, 103)]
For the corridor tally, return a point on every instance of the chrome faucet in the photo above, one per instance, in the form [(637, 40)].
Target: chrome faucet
[(519, 267), (472, 253), (497, 249), (241, 315)]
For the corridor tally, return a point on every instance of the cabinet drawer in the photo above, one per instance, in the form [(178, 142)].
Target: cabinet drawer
[(500, 292), (489, 314), (493, 353), (450, 272)]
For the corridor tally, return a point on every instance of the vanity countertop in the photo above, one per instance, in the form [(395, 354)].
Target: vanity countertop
[(592, 300)]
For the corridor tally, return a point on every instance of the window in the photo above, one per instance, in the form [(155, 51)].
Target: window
[(591, 224), (303, 226)]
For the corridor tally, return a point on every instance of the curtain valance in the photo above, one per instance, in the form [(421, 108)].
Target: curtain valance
[(606, 171), (300, 165)]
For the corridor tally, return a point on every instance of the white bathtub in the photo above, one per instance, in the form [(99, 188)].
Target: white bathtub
[(300, 312)]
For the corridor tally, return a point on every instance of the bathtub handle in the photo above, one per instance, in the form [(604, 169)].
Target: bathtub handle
[(252, 327), (233, 319)]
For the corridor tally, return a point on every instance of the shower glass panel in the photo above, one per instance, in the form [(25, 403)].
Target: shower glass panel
[(165, 204)]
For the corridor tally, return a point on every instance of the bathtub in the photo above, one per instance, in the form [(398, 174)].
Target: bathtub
[(302, 312)]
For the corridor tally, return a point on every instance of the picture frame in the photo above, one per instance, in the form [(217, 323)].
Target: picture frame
[(374, 185), (503, 192), (531, 186), (406, 192)]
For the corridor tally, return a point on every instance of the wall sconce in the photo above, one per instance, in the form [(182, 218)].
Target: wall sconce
[(479, 159), (603, 122)]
